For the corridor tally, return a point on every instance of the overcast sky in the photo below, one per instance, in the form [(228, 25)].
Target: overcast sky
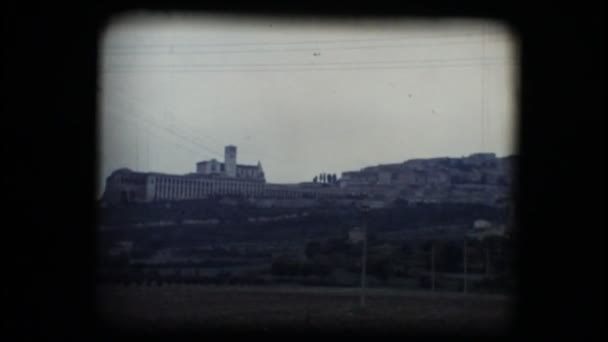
[(302, 96)]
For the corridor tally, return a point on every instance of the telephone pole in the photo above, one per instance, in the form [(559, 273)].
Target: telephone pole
[(363, 267), (464, 254), (487, 248), (365, 210), (433, 266)]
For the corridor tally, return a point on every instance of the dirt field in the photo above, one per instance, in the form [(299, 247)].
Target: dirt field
[(192, 308)]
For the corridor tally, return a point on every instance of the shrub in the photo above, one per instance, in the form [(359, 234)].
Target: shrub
[(424, 282)]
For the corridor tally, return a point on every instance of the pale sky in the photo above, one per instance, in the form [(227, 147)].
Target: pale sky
[(303, 96)]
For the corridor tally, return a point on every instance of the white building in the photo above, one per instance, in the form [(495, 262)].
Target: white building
[(212, 178)]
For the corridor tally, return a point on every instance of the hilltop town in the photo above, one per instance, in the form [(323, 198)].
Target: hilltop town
[(480, 178)]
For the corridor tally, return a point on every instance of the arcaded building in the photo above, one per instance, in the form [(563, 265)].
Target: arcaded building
[(212, 178)]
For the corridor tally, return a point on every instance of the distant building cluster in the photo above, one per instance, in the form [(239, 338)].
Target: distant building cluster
[(479, 178)]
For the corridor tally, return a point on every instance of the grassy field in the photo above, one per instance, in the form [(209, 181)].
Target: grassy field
[(195, 308)]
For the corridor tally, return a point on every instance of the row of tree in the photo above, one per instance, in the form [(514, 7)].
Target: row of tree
[(224, 278), (397, 259), (326, 178)]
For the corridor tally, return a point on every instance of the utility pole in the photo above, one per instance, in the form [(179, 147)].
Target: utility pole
[(487, 260), (464, 254), (433, 266), (363, 267), (364, 256)]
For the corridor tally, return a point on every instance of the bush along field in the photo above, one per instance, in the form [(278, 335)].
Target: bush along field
[(408, 247)]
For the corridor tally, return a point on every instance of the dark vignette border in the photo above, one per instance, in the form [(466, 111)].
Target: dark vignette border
[(50, 62)]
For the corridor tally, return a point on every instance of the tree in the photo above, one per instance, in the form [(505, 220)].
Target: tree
[(380, 266), (339, 245), (313, 248), (406, 249), (314, 180), (450, 256), (284, 265)]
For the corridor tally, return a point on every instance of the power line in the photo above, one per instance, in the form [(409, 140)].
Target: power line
[(221, 144), (119, 114), (132, 99), (188, 151), (139, 103), (421, 66), (170, 130), (258, 155), (398, 61), (333, 41), (171, 50), (152, 123)]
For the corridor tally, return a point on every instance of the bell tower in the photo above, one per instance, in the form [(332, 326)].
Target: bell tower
[(230, 160)]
